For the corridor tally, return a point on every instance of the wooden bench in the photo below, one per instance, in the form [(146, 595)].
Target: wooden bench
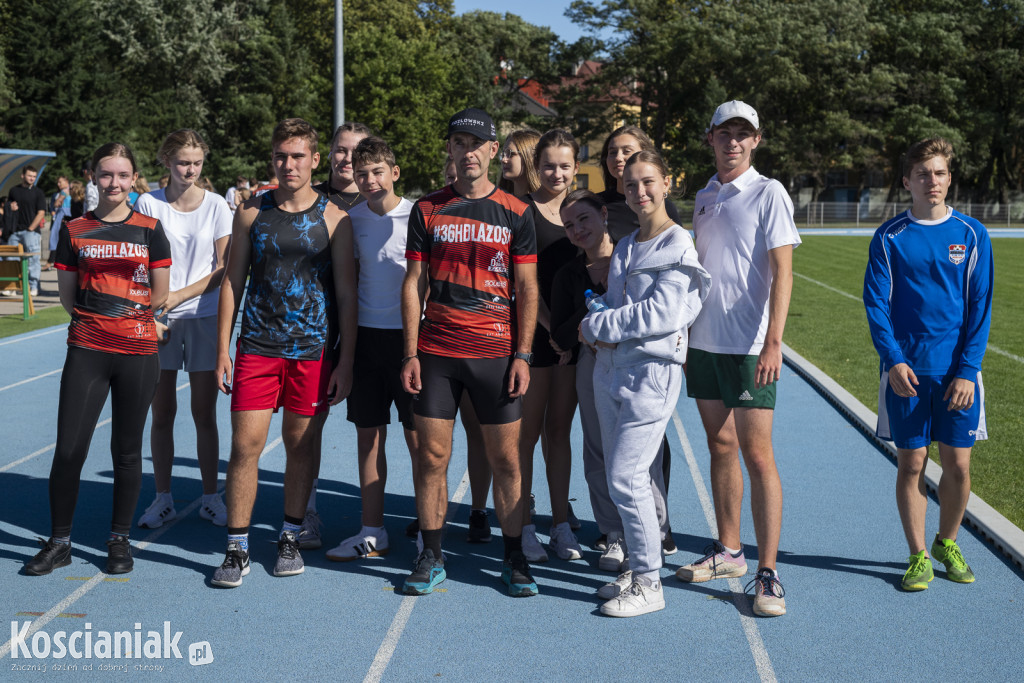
[(14, 272)]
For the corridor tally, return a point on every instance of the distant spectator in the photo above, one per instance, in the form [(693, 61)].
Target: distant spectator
[(92, 193), (77, 204), (60, 205), (164, 179), (241, 183), (29, 204)]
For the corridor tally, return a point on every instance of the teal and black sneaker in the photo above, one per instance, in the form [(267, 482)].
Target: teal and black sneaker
[(948, 553), (429, 572), (515, 573), (919, 573)]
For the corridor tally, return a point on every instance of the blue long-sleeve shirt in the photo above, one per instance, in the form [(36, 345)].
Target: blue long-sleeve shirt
[(928, 294)]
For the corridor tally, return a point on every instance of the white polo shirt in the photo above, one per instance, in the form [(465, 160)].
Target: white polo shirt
[(380, 247), (193, 236), (735, 225)]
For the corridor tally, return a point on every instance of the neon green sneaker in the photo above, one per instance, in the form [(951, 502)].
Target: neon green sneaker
[(948, 553), (919, 573)]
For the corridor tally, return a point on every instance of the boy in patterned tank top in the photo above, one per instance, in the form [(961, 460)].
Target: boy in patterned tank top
[(295, 248)]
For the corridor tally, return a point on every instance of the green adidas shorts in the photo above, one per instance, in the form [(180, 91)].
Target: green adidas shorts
[(728, 378)]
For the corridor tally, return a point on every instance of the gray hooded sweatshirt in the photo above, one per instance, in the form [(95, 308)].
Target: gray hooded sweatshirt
[(655, 291)]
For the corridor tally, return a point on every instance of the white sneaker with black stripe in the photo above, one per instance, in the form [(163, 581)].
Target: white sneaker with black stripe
[(159, 511), (368, 542), (213, 509)]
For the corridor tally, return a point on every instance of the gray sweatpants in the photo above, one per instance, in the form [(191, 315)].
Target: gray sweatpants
[(605, 513), (634, 405)]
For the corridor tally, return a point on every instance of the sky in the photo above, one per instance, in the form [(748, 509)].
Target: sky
[(549, 13)]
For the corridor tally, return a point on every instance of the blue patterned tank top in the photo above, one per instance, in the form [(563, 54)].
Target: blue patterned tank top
[(289, 308)]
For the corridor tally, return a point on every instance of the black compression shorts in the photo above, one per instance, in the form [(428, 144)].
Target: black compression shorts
[(484, 379)]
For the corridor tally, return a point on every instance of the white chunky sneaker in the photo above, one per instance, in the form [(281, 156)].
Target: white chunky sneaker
[(613, 589), (641, 597), (367, 543), (159, 511), (614, 555), (213, 509), (532, 548), (564, 543)]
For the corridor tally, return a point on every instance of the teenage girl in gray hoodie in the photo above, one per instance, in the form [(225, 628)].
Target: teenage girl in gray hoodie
[(655, 290)]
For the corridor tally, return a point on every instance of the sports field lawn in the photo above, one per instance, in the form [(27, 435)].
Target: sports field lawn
[(830, 329), (11, 325)]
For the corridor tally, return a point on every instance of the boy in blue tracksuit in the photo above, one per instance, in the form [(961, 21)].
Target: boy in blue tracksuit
[(928, 295)]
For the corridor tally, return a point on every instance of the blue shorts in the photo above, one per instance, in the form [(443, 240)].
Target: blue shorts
[(917, 421)]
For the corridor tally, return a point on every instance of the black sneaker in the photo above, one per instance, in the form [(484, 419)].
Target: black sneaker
[(119, 555), (479, 527), (236, 565), (52, 556), (668, 545), (413, 529), (515, 573), (600, 543), (427, 574), (289, 560)]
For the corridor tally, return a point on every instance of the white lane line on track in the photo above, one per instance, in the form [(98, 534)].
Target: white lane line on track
[(44, 449), (63, 605), (990, 347), (387, 648), (32, 379), (765, 670), (41, 334)]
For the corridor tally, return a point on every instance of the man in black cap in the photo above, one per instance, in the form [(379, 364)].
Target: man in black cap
[(472, 257)]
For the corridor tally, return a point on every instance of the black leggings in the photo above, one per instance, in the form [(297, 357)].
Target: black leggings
[(87, 379)]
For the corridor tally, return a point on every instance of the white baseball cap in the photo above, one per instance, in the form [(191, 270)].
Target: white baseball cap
[(734, 109)]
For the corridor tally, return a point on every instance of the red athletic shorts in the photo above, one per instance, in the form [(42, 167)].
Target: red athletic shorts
[(262, 382)]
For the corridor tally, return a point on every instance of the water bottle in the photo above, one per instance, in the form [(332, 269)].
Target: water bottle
[(594, 301)]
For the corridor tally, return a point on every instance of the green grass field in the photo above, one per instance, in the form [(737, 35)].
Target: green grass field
[(11, 325), (830, 329)]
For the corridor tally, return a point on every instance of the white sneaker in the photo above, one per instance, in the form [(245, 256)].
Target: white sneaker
[(614, 556), (9, 292), (213, 509), (159, 511), (34, 291), (367, 543), (532, 548), (564, 543), (309, 534), (614, 588), (641, 597)]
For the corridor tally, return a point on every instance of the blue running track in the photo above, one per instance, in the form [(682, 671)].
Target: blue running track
[(841, 560)]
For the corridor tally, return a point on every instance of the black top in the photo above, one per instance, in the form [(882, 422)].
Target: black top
[(568, 305), (31, 201), (343, 200), (554, 249), (621, 219)]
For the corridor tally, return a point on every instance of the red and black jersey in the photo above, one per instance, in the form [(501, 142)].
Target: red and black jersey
[(113, 260), (470, 246)]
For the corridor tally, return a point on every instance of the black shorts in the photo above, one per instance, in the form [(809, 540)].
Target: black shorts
[(484, 379), (376, 381)]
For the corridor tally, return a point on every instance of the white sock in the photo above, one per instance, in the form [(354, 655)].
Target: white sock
[(375, 531), (209, 497), (731, 551)]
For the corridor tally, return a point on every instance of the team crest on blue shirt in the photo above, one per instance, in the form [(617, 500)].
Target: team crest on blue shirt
[(957, 253)]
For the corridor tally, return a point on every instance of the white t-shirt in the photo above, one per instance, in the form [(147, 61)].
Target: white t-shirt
[(229, 196), (192, 236), (380, 247), (735, 225)]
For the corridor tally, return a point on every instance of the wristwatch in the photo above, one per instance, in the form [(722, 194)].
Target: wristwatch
[(528, 357)]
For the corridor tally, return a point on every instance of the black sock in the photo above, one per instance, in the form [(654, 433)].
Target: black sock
[(297, 521), (512, 544), (432, 541), (238, 530)]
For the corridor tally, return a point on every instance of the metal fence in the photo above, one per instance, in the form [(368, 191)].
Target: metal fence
[(851, 214)]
